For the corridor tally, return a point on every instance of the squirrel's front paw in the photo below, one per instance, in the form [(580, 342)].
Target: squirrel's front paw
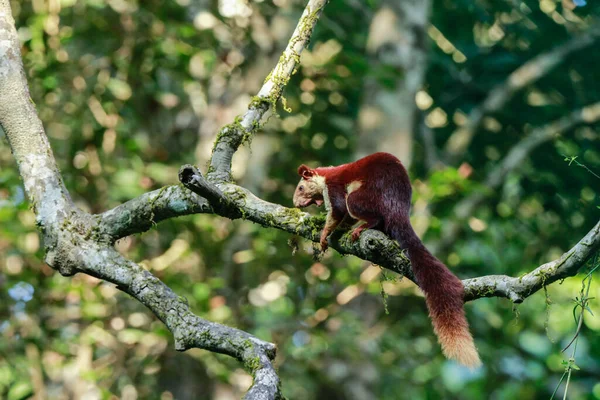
[(323, 243), (355, 234)]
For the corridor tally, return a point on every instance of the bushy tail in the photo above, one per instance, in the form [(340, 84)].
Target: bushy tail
[(443, 295)]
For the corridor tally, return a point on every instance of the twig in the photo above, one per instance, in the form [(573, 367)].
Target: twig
[(231, 136), (582, 303), (573, 159)]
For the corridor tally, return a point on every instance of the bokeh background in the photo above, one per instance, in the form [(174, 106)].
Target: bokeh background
[(130, 90)]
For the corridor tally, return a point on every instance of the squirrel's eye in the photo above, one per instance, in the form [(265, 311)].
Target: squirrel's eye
[(301, 188)]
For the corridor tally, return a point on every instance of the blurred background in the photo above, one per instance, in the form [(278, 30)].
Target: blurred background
[(130, 90)]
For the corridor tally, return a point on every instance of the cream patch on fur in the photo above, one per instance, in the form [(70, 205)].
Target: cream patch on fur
[(350, 212), (353, 186), (320, 181)]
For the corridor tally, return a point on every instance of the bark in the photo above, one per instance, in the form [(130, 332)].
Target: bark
[(76, 241)]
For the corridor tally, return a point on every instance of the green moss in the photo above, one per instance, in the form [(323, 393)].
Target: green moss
[(253, 364), (153, 201), (314, 223), (258, 102), (290, 216), (279, 76), (284, 104), (235, 132), (268, 77), (237, 197), (269, 220), (205, 336), (486, 291), (224, 135), (33, 206), (92, 233)]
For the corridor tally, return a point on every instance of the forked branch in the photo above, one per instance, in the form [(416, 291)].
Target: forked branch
[(79, 242)]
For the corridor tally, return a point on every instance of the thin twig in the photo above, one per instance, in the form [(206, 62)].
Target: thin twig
[(582, 304)]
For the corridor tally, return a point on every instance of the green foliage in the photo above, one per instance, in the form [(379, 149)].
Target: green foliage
[(129, 91)]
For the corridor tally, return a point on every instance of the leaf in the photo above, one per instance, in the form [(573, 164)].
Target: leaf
[(21, 390)]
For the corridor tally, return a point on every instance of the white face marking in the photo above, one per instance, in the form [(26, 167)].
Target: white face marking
[(309, 191), (320, 181), (353, 186)]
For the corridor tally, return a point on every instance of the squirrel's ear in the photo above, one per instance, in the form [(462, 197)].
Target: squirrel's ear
[(305, 172)]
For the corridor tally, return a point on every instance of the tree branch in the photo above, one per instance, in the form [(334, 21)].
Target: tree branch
[(79, 242), (18, 118), (376, 247), (142, 213), (523, 76), (232, 136), (518, 288), (189, 330)]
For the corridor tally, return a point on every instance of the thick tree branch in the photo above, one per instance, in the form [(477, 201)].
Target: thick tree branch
[(518, 288), (78, 242), (24, 130), (513, 160), (232, 136), (239, 202), (140, 214), (189, 330), (523, 76), (376, 247)]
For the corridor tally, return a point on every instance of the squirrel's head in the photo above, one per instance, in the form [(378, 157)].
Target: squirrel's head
[(310, 188)]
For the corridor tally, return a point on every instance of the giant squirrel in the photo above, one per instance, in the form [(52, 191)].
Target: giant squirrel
[(376, 191)]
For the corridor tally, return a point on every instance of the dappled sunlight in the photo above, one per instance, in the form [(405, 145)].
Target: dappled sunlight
[(495, 105)]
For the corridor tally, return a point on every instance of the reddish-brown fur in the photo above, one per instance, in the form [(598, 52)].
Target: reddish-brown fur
[(382, 201)]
